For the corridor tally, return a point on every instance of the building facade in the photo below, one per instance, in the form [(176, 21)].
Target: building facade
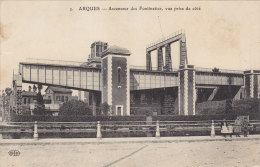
[(54, 97), (57, 95)]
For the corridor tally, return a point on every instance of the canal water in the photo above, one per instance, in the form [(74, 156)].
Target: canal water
[(26, 135)]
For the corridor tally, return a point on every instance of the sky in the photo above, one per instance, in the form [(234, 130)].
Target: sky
[(222, 34)]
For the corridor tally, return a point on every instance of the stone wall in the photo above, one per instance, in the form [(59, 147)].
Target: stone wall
[(154, 102)]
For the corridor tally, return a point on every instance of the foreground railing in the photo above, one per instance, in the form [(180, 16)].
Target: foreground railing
[(153, 128)]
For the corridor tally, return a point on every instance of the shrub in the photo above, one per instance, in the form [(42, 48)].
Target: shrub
[(105, 109), (75, 107)]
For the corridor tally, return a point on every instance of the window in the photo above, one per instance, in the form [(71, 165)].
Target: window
[(66, 98), (57, 98), (29, 100), (49, 97), (119, 75), (62, 98), (119, 110), (24, 101)]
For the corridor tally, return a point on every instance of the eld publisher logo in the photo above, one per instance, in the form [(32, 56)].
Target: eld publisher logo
[(14, 153)]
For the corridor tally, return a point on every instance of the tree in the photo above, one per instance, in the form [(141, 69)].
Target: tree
[(75, 107), (3, 93), (39, 87), (8, 91), (34, 88), (105, 108), (30, 88), (39, 107)]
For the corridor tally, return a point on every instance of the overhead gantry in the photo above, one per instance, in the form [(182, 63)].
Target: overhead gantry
[(67, 76), (166, 42), (89, 78)]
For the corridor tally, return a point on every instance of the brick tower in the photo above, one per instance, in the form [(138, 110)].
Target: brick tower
[(116, 80)]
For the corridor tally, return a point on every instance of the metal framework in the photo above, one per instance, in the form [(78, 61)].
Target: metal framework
[(89, 79), (166, 42), (74, 77)]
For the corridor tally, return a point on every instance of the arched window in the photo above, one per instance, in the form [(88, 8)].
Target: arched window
[(119, 75)]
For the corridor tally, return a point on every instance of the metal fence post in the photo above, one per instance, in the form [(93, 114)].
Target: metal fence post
[(99, 135), (35, 132), (212, 133), (157, 129)]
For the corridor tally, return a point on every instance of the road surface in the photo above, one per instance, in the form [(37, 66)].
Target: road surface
[(183, 154)]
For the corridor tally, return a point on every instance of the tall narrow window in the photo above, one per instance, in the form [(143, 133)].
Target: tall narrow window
[(119, 75)]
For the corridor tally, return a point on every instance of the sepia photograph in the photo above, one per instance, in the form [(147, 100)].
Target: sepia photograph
[(129, 83)]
